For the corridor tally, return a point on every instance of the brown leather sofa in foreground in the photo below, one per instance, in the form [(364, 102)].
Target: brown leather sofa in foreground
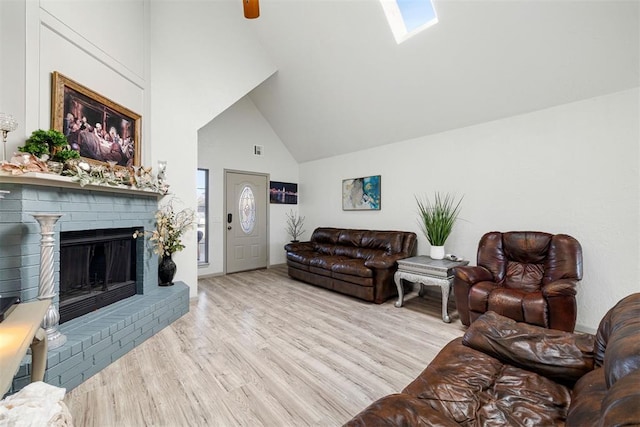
[(507, 373), (528, 276), (360, 263)]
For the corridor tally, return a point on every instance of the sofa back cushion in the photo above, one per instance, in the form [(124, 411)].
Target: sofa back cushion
[(351, 237), (617, 344), (324, 240), (609, 395), (387, 241), (325, 235), (362, 244)]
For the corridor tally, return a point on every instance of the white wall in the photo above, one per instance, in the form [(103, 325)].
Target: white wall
[(227, 143), (569, 169), (191, 85), (42, 37), (12, 67), (203, 59)]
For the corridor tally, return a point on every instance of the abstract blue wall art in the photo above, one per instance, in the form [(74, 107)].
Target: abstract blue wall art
[(361, 194)]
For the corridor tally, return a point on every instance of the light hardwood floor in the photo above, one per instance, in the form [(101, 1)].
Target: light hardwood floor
[(260, 349)]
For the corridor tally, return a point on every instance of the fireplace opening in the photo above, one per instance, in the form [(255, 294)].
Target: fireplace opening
[(97, 268)]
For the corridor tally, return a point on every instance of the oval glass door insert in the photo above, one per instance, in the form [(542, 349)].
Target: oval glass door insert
[(247, 210)]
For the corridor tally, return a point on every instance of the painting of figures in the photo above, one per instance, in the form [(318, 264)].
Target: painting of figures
[(96, 127), (360, 194)]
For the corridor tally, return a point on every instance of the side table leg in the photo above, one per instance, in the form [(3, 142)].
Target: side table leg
[(445, 301), (421, 291), (398, 280), (38, 356)]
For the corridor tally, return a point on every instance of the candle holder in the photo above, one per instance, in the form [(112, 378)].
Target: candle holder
[(7, 124)]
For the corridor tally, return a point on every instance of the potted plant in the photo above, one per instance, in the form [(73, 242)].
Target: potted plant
[(43, 142), (49, 145), (294, 225), (65, 155), (167, 238), (437, 219)]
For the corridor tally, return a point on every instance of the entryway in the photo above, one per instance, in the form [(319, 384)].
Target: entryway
[(246, 221)]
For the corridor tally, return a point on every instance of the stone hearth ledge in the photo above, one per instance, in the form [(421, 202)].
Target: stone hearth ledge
[(97, 339)]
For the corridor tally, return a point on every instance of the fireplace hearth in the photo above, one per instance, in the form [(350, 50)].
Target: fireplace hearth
[(95, 339), (97, 268)]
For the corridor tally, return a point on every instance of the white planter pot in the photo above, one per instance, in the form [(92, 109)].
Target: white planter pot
[(437, 252)]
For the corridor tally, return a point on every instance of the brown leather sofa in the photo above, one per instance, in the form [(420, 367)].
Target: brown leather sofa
[(360, 263), (508, 373), (529, 276)]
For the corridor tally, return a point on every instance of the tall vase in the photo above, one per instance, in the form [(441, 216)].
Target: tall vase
[(166, 270), (437, 252), (46, 288)]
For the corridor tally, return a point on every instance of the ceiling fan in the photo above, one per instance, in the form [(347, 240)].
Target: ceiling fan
[(251, 9)]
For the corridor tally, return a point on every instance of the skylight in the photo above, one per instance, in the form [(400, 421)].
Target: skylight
[(409, 17)]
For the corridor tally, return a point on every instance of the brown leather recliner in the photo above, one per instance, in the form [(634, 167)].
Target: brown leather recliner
[(508, 373), (528, 276)]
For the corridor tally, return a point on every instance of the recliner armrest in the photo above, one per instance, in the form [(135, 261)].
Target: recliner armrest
[(473, 274), (560, 288), (561, 356)]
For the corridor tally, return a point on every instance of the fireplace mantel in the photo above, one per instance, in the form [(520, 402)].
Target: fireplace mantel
[(52, 180)]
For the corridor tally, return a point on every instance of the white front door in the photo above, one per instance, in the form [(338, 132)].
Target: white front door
[(246, 221)]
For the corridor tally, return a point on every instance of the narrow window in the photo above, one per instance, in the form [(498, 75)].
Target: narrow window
[(202, 190)]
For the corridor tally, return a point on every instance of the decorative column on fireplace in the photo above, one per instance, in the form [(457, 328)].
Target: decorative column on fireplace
[(46, 288)]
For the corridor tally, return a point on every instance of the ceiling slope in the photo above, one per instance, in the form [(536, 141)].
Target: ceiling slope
[(343, 84)]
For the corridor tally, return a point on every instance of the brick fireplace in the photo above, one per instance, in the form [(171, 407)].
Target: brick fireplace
[(95, 339)]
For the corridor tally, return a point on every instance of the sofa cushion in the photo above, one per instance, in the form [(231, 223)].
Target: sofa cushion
[(353, 267), (621, 406), (473, 388), (350, 279), (559, 355), (324, 248), (400, 410), (618, 341), (297, 265), (347, 251), (388, 241), (302, 257), (351, 237), (586, 399), (326, 262), (326, 235)]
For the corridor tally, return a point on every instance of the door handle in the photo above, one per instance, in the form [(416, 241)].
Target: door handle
[(229, 218)]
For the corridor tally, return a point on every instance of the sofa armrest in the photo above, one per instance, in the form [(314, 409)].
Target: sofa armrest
[(298, 246), (473, 274), (384, 262), (561, 356)]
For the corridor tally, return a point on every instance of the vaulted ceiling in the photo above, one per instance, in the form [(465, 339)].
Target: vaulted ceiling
[(343, 84)]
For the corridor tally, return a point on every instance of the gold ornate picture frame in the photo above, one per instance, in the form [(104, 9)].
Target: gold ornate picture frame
[(99, 129)]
